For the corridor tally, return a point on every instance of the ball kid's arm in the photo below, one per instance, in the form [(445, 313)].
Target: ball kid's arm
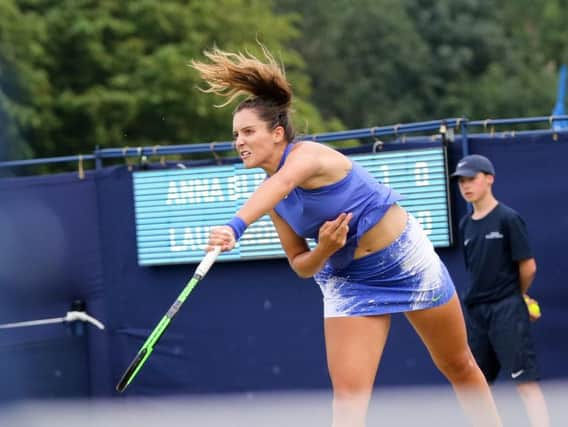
[(527, 273)]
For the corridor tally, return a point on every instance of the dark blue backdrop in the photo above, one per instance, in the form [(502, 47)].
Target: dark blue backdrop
[(248, 326)]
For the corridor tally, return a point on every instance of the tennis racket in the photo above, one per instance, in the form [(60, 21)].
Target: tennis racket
[(146, 349)]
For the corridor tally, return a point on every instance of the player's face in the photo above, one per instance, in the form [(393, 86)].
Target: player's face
[(475, 188), (254, 140)]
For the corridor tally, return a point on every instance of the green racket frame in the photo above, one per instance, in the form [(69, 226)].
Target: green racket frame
[(148, 346)]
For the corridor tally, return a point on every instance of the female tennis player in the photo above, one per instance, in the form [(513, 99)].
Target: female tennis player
[(372, 258)]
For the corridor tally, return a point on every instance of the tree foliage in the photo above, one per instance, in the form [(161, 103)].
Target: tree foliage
[(77, 74), (116, 73), (385, 61), (24, 86), (366, 59)]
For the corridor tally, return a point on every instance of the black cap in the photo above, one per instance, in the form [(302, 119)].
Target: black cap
[(471, 165)]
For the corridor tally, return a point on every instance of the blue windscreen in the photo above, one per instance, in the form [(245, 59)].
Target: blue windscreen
[(175, 209)]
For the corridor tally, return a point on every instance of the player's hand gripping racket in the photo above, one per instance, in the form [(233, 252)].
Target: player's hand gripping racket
[(146, 350)]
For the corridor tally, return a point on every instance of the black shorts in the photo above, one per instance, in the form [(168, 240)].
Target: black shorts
[(500, 339)]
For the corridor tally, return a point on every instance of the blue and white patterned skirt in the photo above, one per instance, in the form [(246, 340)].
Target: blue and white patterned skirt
[(407, 275)]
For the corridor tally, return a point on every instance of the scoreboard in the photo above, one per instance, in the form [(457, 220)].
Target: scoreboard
[(176, 208)]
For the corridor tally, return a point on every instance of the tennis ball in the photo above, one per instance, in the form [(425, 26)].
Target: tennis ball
[(534, 309)]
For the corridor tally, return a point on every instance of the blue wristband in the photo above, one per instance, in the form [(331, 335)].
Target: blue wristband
[(238, 226)]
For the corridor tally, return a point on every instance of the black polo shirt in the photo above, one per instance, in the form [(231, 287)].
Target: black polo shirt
[(492, 247)]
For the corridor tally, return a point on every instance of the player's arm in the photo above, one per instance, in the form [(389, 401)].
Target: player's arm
[(306, 262), (302, 163), (527, 273)]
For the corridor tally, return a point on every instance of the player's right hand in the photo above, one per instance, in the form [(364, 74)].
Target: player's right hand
[(222, 236), (533, 308)]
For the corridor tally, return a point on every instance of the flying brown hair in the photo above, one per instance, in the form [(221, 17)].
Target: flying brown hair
[(233, 74)]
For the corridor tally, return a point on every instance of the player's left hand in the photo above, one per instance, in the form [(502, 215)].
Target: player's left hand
[(333, 234)]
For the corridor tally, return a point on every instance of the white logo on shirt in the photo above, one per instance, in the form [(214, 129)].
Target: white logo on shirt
[(517, 374), (466, 242), (494, 235)]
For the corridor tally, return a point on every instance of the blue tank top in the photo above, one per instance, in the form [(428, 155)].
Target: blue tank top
[(357, 193)]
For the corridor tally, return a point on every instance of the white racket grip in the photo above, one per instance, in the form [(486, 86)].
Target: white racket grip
[(207, 261)]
